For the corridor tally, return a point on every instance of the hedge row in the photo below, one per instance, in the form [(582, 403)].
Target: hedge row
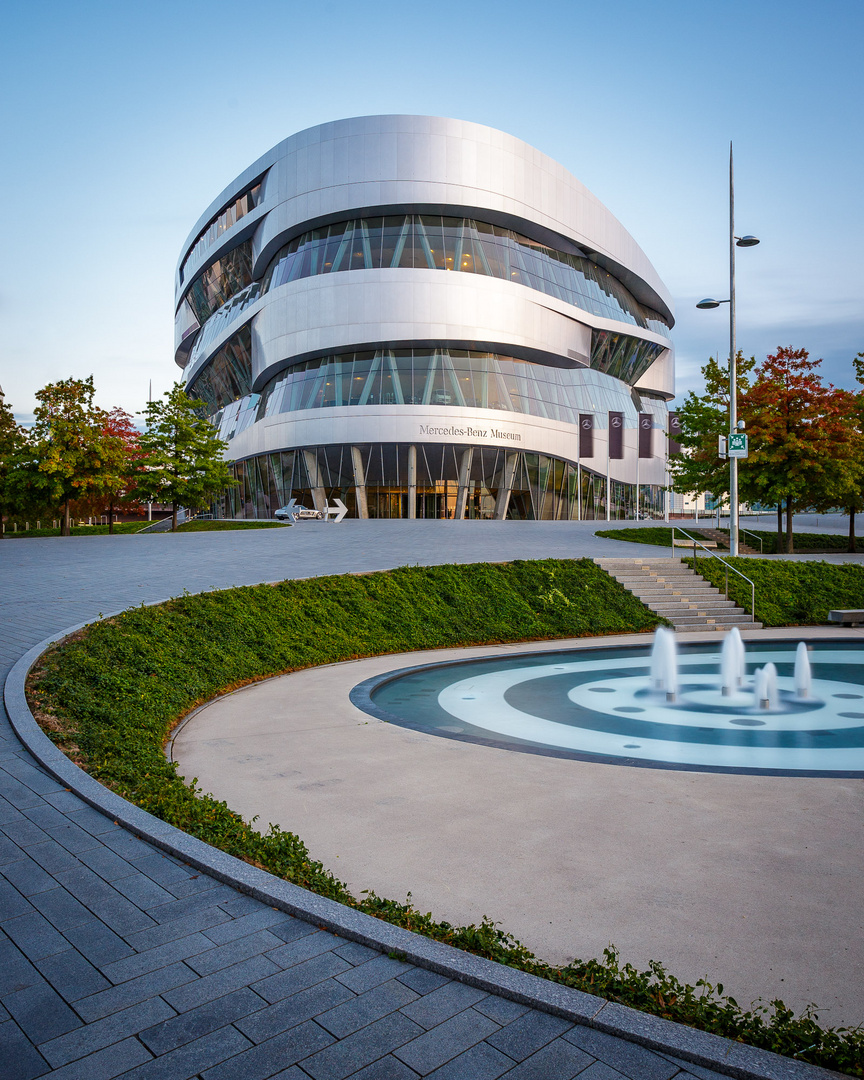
[(789, 593)]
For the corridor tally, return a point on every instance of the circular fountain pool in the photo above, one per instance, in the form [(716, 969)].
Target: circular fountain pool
[(608, 705)]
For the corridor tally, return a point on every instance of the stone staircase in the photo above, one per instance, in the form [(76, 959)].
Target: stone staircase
[(676, 592), (722, 541)]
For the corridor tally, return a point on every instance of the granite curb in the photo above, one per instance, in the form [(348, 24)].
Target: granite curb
[(666, 1037)]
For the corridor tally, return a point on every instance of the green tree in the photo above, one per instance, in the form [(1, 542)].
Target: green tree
[(66, 444), (852, 499), (704, 417), (797, 427), (13, 441), (181, 455)]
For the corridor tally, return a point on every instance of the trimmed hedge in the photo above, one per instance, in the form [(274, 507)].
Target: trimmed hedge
[(817, 543), (789, 593), (111, 695)]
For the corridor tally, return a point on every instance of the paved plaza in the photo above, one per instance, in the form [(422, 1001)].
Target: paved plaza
[(119, 959)]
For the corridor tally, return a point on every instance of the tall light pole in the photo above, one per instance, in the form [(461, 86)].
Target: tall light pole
[(734, 241)]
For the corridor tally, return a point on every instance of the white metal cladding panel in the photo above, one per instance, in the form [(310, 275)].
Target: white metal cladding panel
[(335, 312), (660, 377), (383, 160), (437, 424)]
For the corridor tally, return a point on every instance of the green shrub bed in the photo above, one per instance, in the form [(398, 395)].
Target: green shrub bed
[(817, 543), (228, 525), (789, 593), (111, 695), (77, 530)]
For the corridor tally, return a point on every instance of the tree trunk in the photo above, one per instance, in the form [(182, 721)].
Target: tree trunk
[(851, 546), (65, 525), (780, 543), (790, 549), (173, 517), (110, 517)]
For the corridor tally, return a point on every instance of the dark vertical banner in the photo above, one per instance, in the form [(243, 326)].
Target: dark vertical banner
[(586, 435), (616, 435), (645, 435), (674, 433)]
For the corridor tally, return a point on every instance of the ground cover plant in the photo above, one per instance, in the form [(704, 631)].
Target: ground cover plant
[(789, 593), (76, 530), (127, 527), (227, 525), (111, 695), (816, 543)]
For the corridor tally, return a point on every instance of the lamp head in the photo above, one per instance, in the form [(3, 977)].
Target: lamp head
[(709, 303), (746, 241)]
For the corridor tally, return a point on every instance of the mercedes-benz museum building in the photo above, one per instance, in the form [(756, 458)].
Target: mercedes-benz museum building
[(426, 318)]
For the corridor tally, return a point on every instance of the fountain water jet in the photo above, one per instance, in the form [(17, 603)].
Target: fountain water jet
[(803, 676), (732, 662), (765, 687), (664, 663)]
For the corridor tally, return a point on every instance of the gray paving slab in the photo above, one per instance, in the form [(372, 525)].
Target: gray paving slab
[(108, 939)]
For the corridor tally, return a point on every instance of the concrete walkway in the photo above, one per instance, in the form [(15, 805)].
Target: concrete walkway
[(117, 959)]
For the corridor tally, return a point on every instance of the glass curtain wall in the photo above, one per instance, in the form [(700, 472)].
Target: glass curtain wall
[(454, 377), (432, 242), (221, 223), (386, 477)]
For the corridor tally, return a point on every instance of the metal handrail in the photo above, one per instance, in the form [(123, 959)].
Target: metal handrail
[(713, 554), (749, 532)]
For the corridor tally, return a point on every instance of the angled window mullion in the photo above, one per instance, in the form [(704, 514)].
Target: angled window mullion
[(370, 379), (394, 376), (425, 248), (344, 247), (453, 379), (400, 243), (367, 246), (479, 250), (430, 379)]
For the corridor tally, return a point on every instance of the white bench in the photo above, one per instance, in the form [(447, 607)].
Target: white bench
[(679, 541)]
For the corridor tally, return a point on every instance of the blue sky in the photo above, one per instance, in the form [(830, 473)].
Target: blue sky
[(120, 123)]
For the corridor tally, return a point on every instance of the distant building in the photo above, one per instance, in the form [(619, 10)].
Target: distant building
[(427, 318)]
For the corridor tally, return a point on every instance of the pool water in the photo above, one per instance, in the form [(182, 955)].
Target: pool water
[(599, 704)]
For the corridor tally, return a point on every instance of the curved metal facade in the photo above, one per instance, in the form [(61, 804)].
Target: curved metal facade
[(416, 314)]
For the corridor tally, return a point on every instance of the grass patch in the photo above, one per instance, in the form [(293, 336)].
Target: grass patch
[(789, 593), (647, 534), (78, 530), (228, 525), (805, 542), (126, 527), (111, 696)]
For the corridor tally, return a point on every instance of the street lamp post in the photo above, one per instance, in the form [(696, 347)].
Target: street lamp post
[(734, 241)]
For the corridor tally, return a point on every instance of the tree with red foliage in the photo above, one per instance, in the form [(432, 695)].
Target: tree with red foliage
[(121, 461), (799, 434)]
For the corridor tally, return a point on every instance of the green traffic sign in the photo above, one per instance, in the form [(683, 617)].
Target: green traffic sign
[(737, 446)]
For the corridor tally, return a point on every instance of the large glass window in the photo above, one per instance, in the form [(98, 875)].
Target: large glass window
[(433, 242), (383, 480), (228, 376), (222, 222), (460, 377), (221, 280)]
